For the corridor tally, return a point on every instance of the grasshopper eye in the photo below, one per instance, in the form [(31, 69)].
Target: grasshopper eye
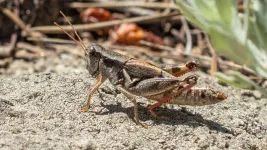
[(95, 48), (91, 49), (192, 65)]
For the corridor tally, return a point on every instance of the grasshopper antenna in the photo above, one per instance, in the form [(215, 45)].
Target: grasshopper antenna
[(70, 36), (76, 33)]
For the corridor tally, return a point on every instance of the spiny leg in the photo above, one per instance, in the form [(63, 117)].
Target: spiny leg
[(191, 82), (132, 98), (148, 88), (153, 101), (100, 80), (178, 70)]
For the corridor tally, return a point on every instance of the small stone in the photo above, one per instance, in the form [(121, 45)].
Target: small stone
[(86, 144), (257, 94)]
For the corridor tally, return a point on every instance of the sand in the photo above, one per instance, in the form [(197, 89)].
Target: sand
[(42, 111)]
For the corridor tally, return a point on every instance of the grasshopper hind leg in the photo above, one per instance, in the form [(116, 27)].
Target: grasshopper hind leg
[(191, 82), (179, 70), (155, 115)]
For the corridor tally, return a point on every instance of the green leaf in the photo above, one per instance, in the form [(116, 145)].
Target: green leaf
[(206, 9), (190, 14), (241, 37), (232, 81), (226, 10)]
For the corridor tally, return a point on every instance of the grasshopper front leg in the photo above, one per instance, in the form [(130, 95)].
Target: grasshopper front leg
[(100, 80)]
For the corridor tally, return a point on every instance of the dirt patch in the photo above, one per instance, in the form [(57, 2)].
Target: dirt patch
[(42, 111)]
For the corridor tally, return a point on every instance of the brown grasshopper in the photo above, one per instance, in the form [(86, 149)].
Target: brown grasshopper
[(134, 77)]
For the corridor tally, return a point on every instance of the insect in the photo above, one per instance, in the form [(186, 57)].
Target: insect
[(134, 77)]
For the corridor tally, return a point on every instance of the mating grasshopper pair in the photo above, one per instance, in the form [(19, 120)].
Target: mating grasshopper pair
[(134, 77)]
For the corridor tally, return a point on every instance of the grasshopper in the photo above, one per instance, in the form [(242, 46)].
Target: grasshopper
[(134, 77)]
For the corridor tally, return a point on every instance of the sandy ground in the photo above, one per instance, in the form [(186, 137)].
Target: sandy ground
[(42, 111)]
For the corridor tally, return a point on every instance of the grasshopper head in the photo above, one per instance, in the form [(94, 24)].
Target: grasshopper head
[(93, 59)]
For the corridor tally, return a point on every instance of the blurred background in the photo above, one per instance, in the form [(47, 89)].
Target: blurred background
[(228, 38)]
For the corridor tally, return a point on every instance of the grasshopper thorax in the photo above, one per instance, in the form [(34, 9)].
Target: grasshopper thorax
[(106, 62)]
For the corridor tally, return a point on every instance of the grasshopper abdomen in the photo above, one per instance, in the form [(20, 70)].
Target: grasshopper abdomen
[(198, 97)]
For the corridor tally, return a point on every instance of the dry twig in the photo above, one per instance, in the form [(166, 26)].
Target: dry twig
[(38, 51), (204, 60), (65, 48), (26, 55), (138, 11), (20, 23), (5, 51), (94, 26), (213, 64), (188, 46), (5, 62), (119, 4), (51, 40)]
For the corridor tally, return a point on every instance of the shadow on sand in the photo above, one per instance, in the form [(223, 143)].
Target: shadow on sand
[(176, 117)]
